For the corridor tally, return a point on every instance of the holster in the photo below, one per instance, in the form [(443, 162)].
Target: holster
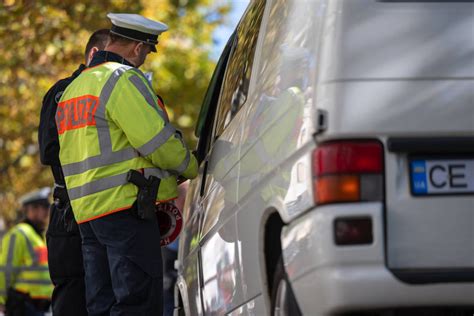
[(147, 192), (63, 207), (60, 195)]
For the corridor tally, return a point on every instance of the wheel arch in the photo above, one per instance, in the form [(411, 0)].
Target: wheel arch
[(271, 250)]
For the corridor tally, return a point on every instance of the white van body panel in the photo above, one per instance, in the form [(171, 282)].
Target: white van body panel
[(358, 69), (328, 279), (401, 108), (376, 40)]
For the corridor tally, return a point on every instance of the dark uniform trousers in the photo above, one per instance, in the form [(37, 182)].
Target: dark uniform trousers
[(123, 265), (65, 262)]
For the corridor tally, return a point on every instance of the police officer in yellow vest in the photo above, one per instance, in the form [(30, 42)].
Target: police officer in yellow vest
[(118, 148), (25, 286)]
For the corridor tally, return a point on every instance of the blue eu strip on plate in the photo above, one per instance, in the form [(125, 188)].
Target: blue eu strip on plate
[(418, 177)]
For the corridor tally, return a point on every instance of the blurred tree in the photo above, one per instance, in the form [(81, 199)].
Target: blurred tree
[(43, 41)]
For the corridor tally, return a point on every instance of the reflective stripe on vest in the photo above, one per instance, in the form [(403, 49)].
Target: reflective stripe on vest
[(187, 159), (31, 249), (36, 282), (24, 269), (8, 268), (160, 138), (107, 156), (138, 83), (184, 165), (108, 183)]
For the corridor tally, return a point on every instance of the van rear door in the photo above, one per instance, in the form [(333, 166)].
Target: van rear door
[(403, 72)]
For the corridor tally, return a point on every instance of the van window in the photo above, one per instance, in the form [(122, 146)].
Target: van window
[(209, 105), (237, 76)]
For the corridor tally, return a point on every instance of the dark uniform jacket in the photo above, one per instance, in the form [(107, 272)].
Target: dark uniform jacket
[(47, 133)]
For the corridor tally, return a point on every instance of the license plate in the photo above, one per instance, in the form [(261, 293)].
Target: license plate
[(442, 176)]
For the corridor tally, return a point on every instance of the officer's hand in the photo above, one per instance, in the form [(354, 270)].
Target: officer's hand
[(2, 308)]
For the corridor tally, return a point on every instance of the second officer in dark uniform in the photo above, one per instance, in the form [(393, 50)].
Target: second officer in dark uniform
[(63, 238)]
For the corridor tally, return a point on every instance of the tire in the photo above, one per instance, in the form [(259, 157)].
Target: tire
[(283, 299)]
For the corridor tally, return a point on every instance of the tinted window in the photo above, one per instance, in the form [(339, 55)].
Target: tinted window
[(208, 108), (237, 77)]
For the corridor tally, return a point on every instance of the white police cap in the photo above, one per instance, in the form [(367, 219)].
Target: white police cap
[(41, 195), (137, 28)]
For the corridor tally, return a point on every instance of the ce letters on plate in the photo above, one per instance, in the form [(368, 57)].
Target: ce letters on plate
[(447, 176)]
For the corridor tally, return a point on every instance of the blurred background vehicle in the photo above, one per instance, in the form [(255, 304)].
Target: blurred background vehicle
[(336, 142)]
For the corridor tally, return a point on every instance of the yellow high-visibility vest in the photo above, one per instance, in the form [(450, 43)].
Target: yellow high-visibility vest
[(109, 122), (24, 263)]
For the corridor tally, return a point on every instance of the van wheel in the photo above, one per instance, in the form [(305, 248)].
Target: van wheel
[(283, 300)]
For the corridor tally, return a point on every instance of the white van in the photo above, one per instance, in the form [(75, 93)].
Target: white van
[(336, 143)]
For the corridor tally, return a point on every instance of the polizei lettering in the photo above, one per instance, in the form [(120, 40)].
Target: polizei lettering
[(76, 113)]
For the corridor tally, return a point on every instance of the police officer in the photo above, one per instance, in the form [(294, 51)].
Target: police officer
[(111, 128), (25, 286), (63, 238)]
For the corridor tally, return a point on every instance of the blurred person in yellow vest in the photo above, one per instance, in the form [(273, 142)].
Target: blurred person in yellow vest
[(25, 286), (120, 155)]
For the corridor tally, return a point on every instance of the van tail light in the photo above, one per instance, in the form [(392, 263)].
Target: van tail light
[(348, 171)]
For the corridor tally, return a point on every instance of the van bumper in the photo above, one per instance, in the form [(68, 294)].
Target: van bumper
[(330, 279)]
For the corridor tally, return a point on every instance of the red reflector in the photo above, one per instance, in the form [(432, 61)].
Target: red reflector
[(353, 231), (348, 157)]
